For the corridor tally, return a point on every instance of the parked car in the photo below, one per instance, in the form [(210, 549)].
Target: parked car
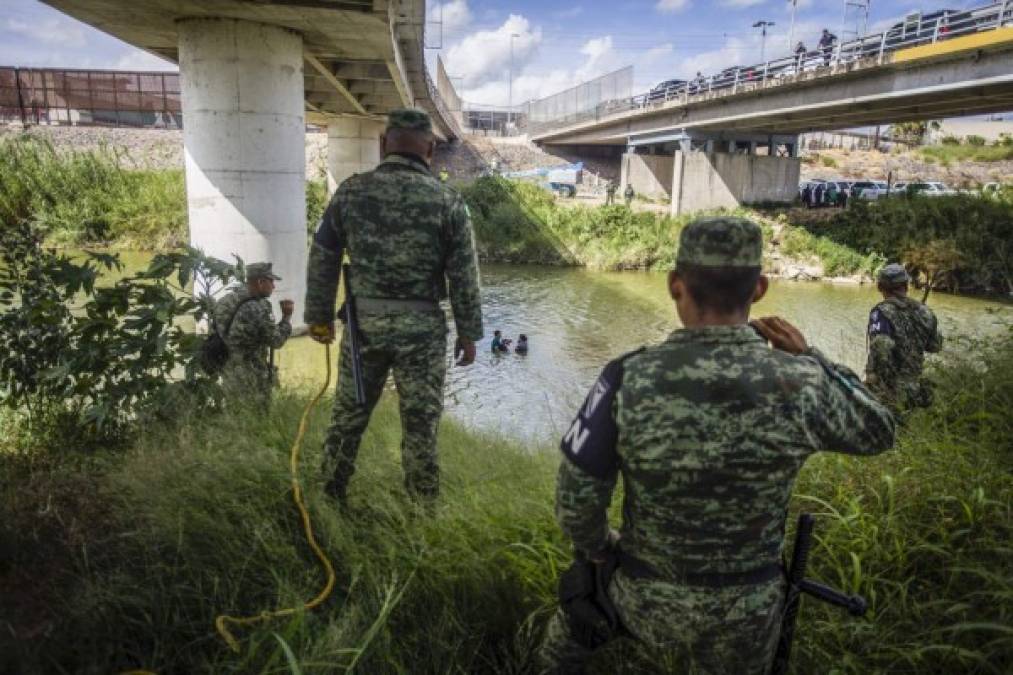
[(666, 90), (868, 189), (918, 27), (930, 189)]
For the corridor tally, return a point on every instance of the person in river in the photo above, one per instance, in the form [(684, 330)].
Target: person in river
[(522, 344), (709, 430), (500, 344), (901, 331)]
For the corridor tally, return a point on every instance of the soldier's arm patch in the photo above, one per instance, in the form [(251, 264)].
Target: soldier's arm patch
[(879, 324), (590, 443)]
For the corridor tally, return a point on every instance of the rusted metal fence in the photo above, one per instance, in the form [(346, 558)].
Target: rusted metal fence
[(90, 98)]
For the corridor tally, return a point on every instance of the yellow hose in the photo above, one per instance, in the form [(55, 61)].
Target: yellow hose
[(221, 623)]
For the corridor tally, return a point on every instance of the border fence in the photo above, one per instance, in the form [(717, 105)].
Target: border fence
[(595, 95), (48, 96)]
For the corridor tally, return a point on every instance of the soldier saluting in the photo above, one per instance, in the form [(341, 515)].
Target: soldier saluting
[(901, 330), (406, 235), (709, 430)]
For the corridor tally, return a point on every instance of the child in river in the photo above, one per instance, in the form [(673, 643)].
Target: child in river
[(500, 344), (522, 344)]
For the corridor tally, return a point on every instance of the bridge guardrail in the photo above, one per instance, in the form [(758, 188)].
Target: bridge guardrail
[(822, 62)]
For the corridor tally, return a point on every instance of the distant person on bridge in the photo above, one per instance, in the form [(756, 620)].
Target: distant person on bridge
[(629, 194), (827, 42), (708, 430), (901, 331), (699, 83), (407, 235), (800, 54)]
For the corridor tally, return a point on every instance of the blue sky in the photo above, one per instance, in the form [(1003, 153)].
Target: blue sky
[(558, 44)]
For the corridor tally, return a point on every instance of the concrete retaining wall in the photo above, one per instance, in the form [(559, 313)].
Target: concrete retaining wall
[(651, 175), (713, 180)]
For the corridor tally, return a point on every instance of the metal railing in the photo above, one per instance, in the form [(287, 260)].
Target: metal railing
[(62, 96), (914, 30)]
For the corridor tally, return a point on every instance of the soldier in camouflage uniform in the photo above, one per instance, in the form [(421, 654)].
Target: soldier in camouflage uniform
[(901, 330), (245, 321), (709, 430), (406, 235)]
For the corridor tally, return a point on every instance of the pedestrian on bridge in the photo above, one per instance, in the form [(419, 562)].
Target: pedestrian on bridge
[(827, 42), (406, 235), (800, 54)]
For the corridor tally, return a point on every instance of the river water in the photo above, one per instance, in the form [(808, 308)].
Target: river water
[(577, 320)]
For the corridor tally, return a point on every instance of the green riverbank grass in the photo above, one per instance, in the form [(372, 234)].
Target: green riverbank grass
[(87, 199), (118, 561)]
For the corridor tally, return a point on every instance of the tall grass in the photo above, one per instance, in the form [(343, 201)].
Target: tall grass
[(122, 561), (85, 197)]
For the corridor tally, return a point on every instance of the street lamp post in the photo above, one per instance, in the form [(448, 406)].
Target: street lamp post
[(510, 87), (763, 39), (791, 30)]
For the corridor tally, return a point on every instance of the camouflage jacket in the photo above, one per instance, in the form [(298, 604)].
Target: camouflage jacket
[(406, 234), (709, 430), (253, 332), (901, 330)]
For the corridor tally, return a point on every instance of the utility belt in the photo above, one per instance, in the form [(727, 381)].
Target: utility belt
[(590, 612), (635, 568), (366, 305)]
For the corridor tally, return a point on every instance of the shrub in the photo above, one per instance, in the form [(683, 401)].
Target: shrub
[(916, 229), (950, 140), (975, 140), (829, 162), (82, 360)]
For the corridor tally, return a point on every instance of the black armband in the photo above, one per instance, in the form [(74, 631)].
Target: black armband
[(590, 444)]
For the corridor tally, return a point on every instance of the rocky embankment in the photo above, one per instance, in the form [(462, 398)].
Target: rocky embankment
[(906, 166)]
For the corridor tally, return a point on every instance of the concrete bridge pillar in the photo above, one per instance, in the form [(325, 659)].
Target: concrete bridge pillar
[(709, 180), (353, 146), (244, 141)]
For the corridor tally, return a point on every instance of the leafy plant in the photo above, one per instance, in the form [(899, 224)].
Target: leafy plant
[(85, 359)]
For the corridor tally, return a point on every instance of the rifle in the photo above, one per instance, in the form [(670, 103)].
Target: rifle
[(797, 585), (349, 315)]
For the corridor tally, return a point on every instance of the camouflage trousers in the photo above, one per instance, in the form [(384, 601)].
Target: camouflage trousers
[(712, 631), (413, 347)]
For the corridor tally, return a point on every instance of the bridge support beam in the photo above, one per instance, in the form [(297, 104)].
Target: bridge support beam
[(244, 142), (353, 146), (710, 180)]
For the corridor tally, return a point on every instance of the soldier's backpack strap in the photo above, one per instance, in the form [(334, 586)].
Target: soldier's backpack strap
[(590, 443), (235, 313)]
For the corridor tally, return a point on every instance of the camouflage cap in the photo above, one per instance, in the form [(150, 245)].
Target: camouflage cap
[(260, 270), (721, 242), (893, 273), (410, 118)]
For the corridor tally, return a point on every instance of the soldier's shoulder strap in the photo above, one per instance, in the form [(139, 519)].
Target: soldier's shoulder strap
[(591, 441), (235, 313)]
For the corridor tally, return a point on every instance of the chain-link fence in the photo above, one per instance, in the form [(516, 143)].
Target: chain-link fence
[(90, 98), (584, 101)]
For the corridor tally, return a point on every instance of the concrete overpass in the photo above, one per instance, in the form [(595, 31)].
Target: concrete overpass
[(253, 73), (701, 148)]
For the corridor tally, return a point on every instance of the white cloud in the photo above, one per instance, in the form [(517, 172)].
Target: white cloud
[(671, 5), (456, 14), (485, 56), (742, 3), (654, 55), (54, 31)]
